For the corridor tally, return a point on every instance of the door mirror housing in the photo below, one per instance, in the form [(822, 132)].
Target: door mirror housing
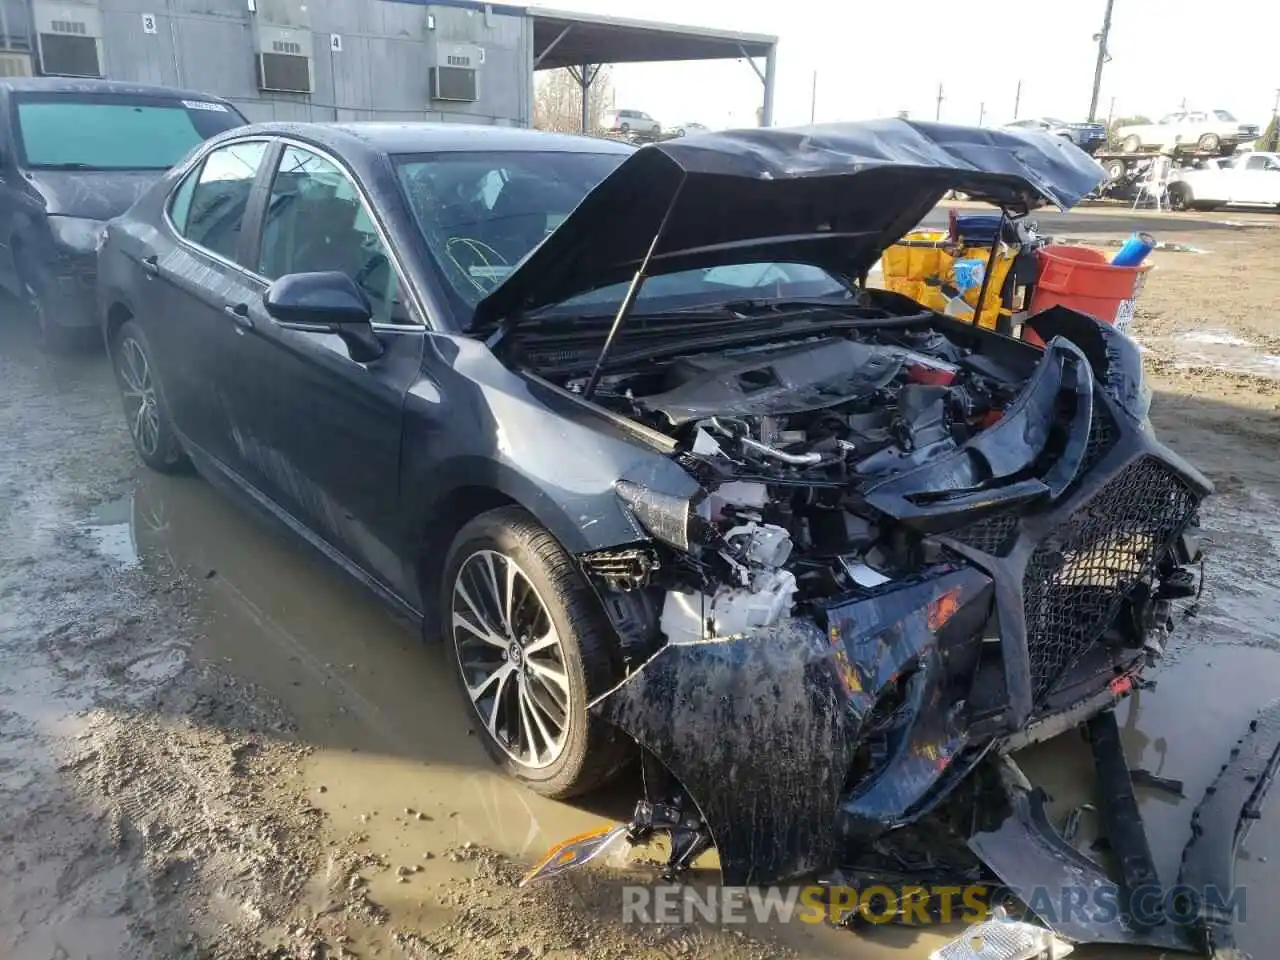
[(327, 302)]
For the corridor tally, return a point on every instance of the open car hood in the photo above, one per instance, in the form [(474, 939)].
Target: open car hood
[(834, 195)]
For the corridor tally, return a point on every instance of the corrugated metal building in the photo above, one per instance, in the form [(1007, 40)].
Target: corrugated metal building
[(346, 59), (292, 59)]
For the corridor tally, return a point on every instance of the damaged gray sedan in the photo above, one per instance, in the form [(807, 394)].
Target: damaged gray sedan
[(631, 432)]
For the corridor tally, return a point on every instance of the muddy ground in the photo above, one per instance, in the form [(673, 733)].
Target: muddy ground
[(212, 745)]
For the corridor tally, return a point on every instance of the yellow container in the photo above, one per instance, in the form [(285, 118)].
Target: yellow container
[(909, 267)]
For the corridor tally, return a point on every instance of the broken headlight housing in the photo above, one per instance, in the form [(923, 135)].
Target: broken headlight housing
[(675, 521)]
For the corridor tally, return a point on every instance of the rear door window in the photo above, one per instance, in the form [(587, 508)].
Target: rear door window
[(212, 201)]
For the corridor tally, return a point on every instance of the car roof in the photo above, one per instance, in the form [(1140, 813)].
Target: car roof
[(408, 138), (81, 85)]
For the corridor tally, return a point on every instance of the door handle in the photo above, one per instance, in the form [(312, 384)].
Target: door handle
[(151, 265), (239, 312)]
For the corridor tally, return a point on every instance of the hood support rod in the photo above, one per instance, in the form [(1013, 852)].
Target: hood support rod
[(633, 291)]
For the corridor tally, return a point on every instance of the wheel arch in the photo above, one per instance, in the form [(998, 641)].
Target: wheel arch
[(115, 316)]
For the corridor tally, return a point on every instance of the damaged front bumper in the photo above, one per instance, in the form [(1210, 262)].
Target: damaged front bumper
[(766, 732)]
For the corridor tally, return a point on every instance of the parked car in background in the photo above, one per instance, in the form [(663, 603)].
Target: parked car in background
[(74, 154), (1250, 179), (1089, 137), (634, 123), (684, 129), (1212, 131)]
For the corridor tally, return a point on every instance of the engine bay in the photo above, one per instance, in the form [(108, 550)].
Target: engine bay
[(785, 438)]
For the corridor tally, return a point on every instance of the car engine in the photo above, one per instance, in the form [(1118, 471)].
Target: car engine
[(785, 437)]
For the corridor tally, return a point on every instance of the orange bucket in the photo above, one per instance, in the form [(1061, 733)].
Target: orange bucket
[(1086, 281)]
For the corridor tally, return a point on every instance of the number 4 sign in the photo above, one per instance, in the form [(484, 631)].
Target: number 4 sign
[(149, 23)]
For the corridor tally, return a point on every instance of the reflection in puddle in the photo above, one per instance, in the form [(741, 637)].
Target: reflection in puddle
[(111, 528)]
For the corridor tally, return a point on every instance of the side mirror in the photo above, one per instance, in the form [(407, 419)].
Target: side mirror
[(327, 302)]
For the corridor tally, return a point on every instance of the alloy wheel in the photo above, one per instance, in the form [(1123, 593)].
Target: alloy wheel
[(511, 658), (138, 390)]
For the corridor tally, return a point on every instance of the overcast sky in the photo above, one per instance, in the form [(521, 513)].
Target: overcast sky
[(876, 57)]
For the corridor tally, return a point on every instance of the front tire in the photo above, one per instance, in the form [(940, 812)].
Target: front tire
[(1210, 143), (530, 648), (146, 412), (1181, 197), (1131, 144)]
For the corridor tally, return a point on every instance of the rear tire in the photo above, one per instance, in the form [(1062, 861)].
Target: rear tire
[(145, 408), (1115, 170), (1210, 143), (1131, 144), (507, 581), (1181, 197)]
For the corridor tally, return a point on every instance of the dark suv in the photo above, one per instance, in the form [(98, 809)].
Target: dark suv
[(74, 154)]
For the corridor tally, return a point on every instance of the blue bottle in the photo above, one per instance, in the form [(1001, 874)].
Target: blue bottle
[(1134, 251)]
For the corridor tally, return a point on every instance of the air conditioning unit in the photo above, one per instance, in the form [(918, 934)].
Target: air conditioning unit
[(456, 75), (15, 65), (69, 39), (284, 60)]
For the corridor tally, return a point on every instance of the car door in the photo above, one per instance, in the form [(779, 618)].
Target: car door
[(192, 281), (319, 432)]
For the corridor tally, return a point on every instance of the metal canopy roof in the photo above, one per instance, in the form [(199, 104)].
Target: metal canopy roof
[(565, 39)]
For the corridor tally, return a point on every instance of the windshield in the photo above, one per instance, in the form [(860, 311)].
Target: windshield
[(482, 213), (113, 132), (1224, 116)]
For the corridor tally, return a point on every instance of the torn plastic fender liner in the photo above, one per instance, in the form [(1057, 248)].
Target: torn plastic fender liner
[(761, 729)]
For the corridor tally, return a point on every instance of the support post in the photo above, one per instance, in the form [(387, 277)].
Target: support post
[(1017, 100), (770, 78), (585, 75), (937, 113)]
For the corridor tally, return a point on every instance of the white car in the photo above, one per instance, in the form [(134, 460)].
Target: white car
[(630, 123), (688, 129), (1251, 179), (1212, 131)]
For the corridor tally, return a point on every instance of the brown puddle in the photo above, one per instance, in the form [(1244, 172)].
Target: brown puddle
[(403, 780)]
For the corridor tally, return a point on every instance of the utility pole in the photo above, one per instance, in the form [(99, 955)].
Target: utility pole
[(813, 99), (1111, 112), (982, 112), (1274, 145), (937, 114), (1017, 100), (1103, 57)]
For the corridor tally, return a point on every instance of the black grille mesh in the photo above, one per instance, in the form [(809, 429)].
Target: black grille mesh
[(1078, 576), (1102, 437), (993, 535)]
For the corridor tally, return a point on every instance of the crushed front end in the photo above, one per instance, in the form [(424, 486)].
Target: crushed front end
[(920, 545)]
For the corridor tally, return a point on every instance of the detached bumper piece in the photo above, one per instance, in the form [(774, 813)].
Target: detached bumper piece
[(1222, 820), (1027, 853)]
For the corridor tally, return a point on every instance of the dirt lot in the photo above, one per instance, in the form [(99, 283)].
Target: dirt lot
[(211, 745)]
